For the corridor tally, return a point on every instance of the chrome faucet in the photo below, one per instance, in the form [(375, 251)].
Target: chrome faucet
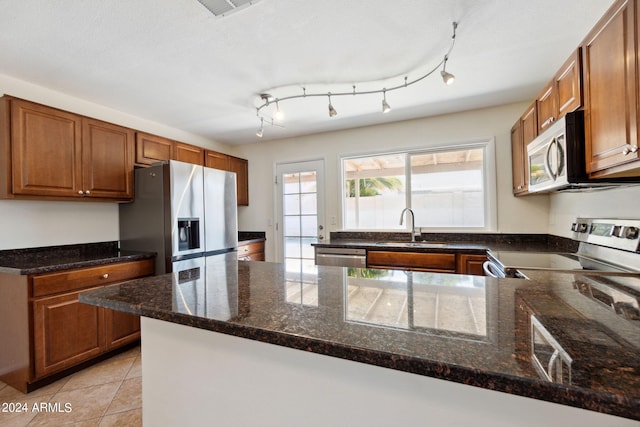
[(413, 222)]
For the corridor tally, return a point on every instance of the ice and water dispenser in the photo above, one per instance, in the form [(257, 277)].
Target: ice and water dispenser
[(188, 233)]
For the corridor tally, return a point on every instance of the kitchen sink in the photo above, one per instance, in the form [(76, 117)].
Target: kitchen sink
[(425, 244)]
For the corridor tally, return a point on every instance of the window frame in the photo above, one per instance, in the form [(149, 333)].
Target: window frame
[(489, 172)]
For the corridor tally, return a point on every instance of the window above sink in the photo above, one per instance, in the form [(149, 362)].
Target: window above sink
[(448, 188)]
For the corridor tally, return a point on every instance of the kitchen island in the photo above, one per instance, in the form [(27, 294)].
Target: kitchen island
[(255, 344)]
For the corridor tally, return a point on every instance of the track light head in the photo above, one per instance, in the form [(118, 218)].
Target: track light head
[(260, 131), (279, 115), (385, 106), (447, 78), (332, 111)]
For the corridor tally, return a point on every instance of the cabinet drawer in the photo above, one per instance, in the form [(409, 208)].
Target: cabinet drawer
[(413, 260), (250, 248), (70, 280)]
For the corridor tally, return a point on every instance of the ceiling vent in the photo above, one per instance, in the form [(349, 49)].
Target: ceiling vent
[(225, 7)]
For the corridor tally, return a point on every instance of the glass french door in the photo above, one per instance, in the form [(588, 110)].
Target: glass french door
[(300, 193)]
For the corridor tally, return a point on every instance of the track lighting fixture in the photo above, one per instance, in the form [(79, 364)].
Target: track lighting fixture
[(332, 111), (267, 99), (385, 107), (447, 78)]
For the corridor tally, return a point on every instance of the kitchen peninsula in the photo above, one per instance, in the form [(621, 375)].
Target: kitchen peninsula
[(229, 349)]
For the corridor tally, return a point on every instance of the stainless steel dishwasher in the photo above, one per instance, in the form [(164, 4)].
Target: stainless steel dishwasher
[(341, 257)]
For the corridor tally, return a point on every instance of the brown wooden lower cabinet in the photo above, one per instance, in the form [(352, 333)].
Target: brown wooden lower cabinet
[(471, 264), (417, 261), (50, 331), (66, 332), (120, 328), (441, 262), (251, 251)]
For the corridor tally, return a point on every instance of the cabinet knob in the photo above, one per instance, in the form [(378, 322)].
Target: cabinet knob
[(105, 276), (80, 192), (629, 149), (87, 192)]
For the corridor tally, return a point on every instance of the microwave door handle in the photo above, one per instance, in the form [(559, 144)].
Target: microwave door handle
[(547, 163), (560, 152)]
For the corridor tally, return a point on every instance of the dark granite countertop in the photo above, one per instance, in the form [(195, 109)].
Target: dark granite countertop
[(476, 334), (251, 236), (443, 242), (55, 258)]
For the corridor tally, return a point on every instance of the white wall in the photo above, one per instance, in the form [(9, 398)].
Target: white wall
[(522, 215), (26, 224)]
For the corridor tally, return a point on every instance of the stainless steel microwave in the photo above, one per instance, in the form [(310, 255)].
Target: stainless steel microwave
[(556, 159)]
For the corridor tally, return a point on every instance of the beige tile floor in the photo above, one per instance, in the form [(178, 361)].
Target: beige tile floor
[(106, 394)]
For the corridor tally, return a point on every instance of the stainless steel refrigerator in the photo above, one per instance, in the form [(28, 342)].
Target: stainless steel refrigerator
[(183, 212)]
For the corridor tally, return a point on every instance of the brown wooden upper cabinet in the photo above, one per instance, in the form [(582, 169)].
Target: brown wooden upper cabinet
[(522, 133), (152, 148), (517, 159), (610, 54), (55, 154), (562, 94), (188, 153), (216, 160)]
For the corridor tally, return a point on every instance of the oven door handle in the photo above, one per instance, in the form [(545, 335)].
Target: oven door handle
[(491, 270)]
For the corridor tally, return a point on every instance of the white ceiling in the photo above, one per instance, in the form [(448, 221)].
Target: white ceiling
[(173, 62)]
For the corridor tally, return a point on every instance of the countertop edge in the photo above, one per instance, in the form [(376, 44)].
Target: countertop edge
[(556, 393), (78, 264)]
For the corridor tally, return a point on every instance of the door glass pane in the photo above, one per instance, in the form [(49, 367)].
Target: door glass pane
[(291, 204), (300, 210), (292, 247), (308, 204), (309, 225), (291, 183), (291, 226)]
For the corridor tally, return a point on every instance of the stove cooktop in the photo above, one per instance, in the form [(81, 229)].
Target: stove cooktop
[(512, 261)]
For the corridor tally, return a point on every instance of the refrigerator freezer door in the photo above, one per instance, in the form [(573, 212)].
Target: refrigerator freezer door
[(187, 209), (221, 211), (189, 282)]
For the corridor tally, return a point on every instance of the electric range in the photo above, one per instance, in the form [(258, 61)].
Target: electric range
[(607, 246)]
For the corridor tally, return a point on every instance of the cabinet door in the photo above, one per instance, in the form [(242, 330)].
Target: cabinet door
[(251, 251), (107, 153), (471, 264), (46, 150), (216, 160), (529, 125), (417, 261), (610, 90), (151, 149), (568, 85), (518, 162), (188, 153), (547, 109), (66, 333), (241, 168), (121, 328)]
